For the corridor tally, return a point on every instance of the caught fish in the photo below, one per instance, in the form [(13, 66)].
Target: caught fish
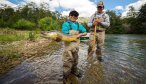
[(59, 36)]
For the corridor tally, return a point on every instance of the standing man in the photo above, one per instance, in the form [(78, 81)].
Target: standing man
[(70, 55), (101, 20)]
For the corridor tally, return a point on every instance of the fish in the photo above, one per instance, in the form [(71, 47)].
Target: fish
[(55, 35)]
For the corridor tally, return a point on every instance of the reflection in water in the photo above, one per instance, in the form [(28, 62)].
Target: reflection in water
[(124, 63), (92, 68), (93, 74)]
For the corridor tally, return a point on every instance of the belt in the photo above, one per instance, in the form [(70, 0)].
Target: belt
[(97, 30)]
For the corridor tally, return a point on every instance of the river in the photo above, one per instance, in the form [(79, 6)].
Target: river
[(124, 62)]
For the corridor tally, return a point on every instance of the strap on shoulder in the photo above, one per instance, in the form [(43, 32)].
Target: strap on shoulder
[(71, 26)]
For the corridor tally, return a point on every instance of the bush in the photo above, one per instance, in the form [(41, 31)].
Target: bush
[(24, 24), (32, 36), (48, 23)]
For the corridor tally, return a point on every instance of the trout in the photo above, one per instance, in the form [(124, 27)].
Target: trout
[(59, 36)]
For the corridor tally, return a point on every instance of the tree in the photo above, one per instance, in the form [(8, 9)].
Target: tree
[(6, 16), (115, 23), (29, 14), (132, 12), (141, 19)]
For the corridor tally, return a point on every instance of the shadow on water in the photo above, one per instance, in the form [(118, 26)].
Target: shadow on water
[(124, 63)]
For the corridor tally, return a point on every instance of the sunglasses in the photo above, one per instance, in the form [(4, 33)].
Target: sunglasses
[(74, 17), (100, 7)]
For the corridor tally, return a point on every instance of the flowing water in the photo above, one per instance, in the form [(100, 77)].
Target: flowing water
[(124, 62)]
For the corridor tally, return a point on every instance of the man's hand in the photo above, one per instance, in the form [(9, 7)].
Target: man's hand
[(97, 21), (81, 34)]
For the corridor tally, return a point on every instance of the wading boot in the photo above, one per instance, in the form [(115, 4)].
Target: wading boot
[(100, 59), (99, 54), (77, 72)]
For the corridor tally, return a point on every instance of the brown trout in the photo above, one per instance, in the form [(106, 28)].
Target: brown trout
[(57, 35)]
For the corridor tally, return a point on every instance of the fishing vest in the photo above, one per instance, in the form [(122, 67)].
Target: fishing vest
[(101, 17)]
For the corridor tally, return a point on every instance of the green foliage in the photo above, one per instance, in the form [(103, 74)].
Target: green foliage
[(24, 24), (142, 20), (48, 23), (32, 36), (11, 38), (115, 23), (32, 17), (28, 17), (10, 35), (135, 24), (6, 16)]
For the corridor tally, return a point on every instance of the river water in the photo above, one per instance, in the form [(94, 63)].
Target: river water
[(124, 62)]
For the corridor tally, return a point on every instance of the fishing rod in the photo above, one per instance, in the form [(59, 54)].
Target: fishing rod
[(93, 44)]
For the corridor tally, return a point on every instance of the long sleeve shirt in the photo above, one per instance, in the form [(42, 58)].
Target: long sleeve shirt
[(104, 24)]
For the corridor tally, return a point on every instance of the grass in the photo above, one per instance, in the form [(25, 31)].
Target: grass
[(12, 44), (11, 38), (10, 35), (9, 56), (16, 46)]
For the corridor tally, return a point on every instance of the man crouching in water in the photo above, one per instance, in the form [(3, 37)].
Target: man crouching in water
[(70, 55)]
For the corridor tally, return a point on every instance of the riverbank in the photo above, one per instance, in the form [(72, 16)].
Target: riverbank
[(13, 52)]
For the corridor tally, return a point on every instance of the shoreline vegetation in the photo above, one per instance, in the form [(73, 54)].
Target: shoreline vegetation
[(16, 46)]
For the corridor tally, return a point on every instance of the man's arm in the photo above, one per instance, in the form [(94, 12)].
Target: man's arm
[(106, 23)]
